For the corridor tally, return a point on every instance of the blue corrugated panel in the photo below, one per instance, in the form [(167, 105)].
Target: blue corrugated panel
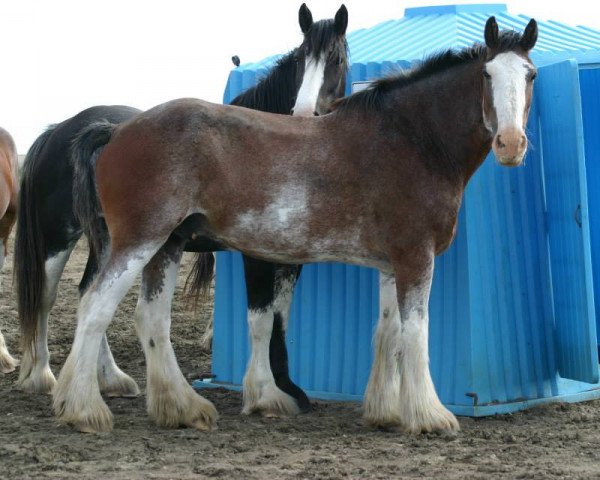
[(496, 343), (590, 96), (565, 181)]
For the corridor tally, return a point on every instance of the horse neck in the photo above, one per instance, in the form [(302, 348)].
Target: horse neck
[(276, 93), (446, 120)]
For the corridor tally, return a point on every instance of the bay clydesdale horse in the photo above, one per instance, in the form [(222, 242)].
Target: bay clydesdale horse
[(378, 182)]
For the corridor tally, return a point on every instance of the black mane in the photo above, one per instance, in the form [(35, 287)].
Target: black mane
[(276, 92), (372, 98)]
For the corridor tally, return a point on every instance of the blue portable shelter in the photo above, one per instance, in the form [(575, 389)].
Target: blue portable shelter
[(512, 309)]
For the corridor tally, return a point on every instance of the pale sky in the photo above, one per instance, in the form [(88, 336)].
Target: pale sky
[(62, 56)]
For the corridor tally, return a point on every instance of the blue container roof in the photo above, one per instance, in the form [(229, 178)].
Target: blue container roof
[(424, 30)]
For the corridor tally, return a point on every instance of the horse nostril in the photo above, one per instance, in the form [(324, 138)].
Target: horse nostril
[(316, 114), (499, 143), (523, 141)]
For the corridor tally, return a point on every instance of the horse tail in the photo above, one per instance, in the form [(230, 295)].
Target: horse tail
[(85, 149), (197, 284), (30, 246)]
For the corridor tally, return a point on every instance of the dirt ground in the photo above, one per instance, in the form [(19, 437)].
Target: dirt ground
[(557, 441)]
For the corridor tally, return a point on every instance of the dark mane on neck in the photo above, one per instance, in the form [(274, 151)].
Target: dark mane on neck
[(276, 92), (373, 97)]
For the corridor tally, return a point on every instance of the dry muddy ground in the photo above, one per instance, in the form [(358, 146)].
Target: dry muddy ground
[(556, 441)]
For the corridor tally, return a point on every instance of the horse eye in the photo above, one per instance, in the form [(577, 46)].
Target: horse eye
[(486, 74), (533, 76)]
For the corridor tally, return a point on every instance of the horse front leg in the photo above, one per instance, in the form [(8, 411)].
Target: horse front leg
[(268, 388), (400, 392), (170, 398)]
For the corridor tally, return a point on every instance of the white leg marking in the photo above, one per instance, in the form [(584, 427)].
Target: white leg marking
[(7, 362), (400, 390), (112, 380), (35, 375), (171, 400), (308, 93), (77, 397), (283, 298), (261, 394)]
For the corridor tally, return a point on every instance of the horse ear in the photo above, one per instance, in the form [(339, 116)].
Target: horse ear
[(341, 20), (305, 18), (491, 33), (529, 35)]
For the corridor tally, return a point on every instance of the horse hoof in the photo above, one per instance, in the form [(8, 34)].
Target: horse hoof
[(270, 403), (436, 419), (41, 382), (171, 408), (121, 386), (89, 421), (8, 364)]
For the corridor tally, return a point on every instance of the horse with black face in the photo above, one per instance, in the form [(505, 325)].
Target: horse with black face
[(378, 182), (307, 80), (9, 188)]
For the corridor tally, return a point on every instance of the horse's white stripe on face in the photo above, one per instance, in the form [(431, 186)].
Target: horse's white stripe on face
[(314, 74), (508, 73)]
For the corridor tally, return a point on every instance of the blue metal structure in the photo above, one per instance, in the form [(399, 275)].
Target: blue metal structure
[(512, 309)]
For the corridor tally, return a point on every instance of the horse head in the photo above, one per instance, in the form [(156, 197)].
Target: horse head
[(322, 62), (507, 77)]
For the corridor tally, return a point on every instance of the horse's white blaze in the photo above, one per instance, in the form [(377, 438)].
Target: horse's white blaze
[(314, 75), (35, 375), (508, 73)]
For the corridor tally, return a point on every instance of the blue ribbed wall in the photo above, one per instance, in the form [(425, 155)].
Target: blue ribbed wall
[(493, 310), (590, 94)]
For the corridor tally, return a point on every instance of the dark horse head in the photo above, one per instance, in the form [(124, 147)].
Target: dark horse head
[(311, 77)]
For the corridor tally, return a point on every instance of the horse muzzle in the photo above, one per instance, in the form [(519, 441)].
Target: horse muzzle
[(509, 147)]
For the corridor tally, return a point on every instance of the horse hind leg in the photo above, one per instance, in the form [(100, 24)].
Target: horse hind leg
[(112, 380), (35, 375), (77, 398), (172, 402), (268, 389)]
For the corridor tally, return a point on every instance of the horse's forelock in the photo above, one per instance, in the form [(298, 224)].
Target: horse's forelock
[(322, 38)]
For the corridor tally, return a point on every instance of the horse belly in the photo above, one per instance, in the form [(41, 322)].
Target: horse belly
[(285, 235)]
